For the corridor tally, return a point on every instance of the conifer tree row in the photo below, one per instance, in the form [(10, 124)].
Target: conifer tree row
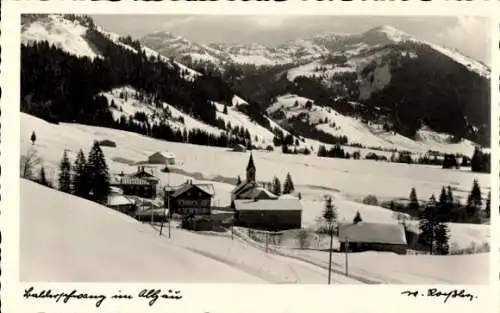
[(86, 178)]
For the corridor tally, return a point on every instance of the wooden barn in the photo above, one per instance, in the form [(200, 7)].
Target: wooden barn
[(365, 236), (189, 198), (268, 214), (162, 157)]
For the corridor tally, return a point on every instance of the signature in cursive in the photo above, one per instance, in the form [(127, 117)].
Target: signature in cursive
[(445, 295)]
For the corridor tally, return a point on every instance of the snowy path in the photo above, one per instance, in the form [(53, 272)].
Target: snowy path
[(250, 257)]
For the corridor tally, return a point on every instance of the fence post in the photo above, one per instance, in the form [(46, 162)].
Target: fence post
[(267, 240)]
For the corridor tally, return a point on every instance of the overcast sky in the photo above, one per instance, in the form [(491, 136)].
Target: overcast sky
[(470, 35)]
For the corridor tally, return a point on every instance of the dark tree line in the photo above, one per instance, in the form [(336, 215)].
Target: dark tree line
[(278, 189), (447, 208), (335, 152), (437, 91), (51, 79)]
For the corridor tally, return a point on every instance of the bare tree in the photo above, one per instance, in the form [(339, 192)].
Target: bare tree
[(28, 164), (304, 239)]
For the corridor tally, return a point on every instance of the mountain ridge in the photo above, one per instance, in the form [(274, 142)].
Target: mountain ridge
[(214, 89)]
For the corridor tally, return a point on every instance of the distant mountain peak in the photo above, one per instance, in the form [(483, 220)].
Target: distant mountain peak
[(390, 32)]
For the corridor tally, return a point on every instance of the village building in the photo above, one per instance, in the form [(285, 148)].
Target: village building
[(141, 184), (257, 207), (366, 236), (190, 199), (119, 202), (162, 157), (268, 214)]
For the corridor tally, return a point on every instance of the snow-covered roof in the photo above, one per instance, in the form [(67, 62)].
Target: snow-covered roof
[(287, 196), (207, 188), (119, 200), (268, 205), (116, 190), (372, 233), (166, 154), (259, 193), (242, 187)]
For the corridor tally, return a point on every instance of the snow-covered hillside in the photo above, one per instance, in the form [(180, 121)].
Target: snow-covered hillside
[(348, 181), (368, 135), (69, 34), (126, 102), (60, 32)]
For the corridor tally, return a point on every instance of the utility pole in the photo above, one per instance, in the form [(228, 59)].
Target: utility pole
[(330, 256), (346, 256), (329, 215), (169, 213), (267, 240)]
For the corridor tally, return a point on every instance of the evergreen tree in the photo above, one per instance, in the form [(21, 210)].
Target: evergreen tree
[(414, 206), (65, 174), (434, 233), (322, 151), (475, 193), (329, 217), (357, 218), (449, 194), (98, 175), (299, 196), (33, 138), (474, 203), (487, 209), (81, 185), (442, 237), (42, 178), (445, 206), (427, 225), (276, 186), (288, 186), (238, 182)]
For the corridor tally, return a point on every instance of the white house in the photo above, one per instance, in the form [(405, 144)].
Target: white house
[(162, 157)]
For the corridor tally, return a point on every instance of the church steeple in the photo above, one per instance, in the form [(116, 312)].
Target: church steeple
[(251, 169)]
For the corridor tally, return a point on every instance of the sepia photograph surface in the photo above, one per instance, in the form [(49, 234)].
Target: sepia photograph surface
[(255, 149)]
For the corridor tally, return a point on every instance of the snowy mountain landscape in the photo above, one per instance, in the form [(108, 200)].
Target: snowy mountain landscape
[(333, 116)]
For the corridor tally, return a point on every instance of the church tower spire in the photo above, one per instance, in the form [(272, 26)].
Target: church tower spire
[(250, 170)]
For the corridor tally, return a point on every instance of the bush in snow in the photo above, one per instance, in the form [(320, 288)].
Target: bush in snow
[(370, 200), (28, 164), (304, 238)]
